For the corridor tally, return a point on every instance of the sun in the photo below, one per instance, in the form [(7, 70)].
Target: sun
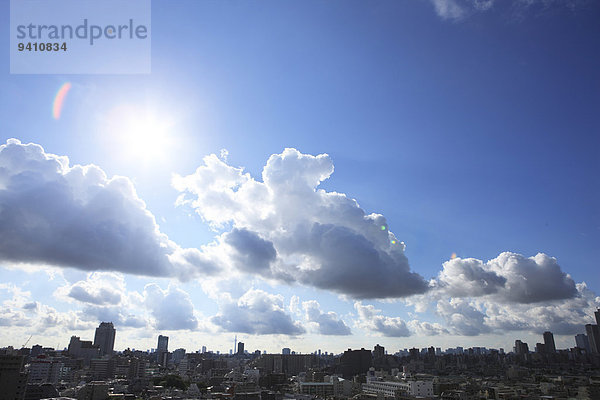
[(140, 134)]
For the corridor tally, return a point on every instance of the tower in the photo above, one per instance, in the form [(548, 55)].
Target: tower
[(240, 348), (549, 346), (105, 338), (162, 350)]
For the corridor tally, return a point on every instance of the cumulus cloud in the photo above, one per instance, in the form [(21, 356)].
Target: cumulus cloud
[(510, 277), (462, 317), (285, 228), (256, 312), (20, 311), (564, 317), (75, 216), (171, 309), (371, 319), (327, 323), (100, 288)]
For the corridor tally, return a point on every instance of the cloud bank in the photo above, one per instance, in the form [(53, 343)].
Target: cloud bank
[(285, 228), (75, 216)]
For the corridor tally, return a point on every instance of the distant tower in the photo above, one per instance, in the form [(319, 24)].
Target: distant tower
[(593, 334), (235, 342), (597, 314), (378, 351), (105, 338), (549, 346), (240, 348), (582, 342), (162, 350)]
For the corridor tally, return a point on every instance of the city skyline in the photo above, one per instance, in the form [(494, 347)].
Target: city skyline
[(405, 174)]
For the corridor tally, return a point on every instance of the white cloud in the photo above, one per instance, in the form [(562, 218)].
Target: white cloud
[(371, 319), (171, 309), (462, 317), (100, 288), (510, 277), (327, 323), (52, 213), (285, 228), (256, 312)]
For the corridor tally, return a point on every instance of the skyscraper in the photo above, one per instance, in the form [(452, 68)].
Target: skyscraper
[(162, 350), (597, 314), (105, 338), (549, 346), (593, 334), (582, 342), (240, 348)]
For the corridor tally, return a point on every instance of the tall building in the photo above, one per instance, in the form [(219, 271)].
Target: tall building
[(378, 351), (582, 342), (597, 314), (240, 348), (162, 350), (593, 334), (13, 379), (105, 338), (286, 351), (521, 348), (549, 345), (203, 349)]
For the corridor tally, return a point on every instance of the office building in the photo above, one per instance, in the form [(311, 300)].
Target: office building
[(549, 345), (378, 351), (240, 348), (162, 350), (105, 338), (13, 379), (593, 334), (286, 351), (582, 342)]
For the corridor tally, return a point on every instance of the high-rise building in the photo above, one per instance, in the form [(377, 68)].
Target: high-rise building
[(378, 351), (203, 349), (597, 314), (286, 351), (240, 348), (162, 350), (549, 345), (105, 338), (582, 342), (521, 348), (593, 334), (13, 379)]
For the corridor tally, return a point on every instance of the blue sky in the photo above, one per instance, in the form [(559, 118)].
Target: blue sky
[(470, 126)]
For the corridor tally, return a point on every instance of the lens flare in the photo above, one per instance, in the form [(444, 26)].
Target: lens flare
[(59, 100), (453, 256)]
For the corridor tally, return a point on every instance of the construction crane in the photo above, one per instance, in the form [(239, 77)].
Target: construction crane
[(27, 341)]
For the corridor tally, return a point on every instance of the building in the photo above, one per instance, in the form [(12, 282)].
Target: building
[(203, 349), (240, 348), (44, 370), (105, 338), (83, 349), (597, 315), (319, 389), (286, 351), (354, 362), (521, 348), (162, 350), (549, 345), (378, 351), (593, 334), (415, 388), (13, 379), (582, 342)]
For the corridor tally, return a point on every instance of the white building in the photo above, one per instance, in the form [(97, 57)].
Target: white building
[(397, 389)]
